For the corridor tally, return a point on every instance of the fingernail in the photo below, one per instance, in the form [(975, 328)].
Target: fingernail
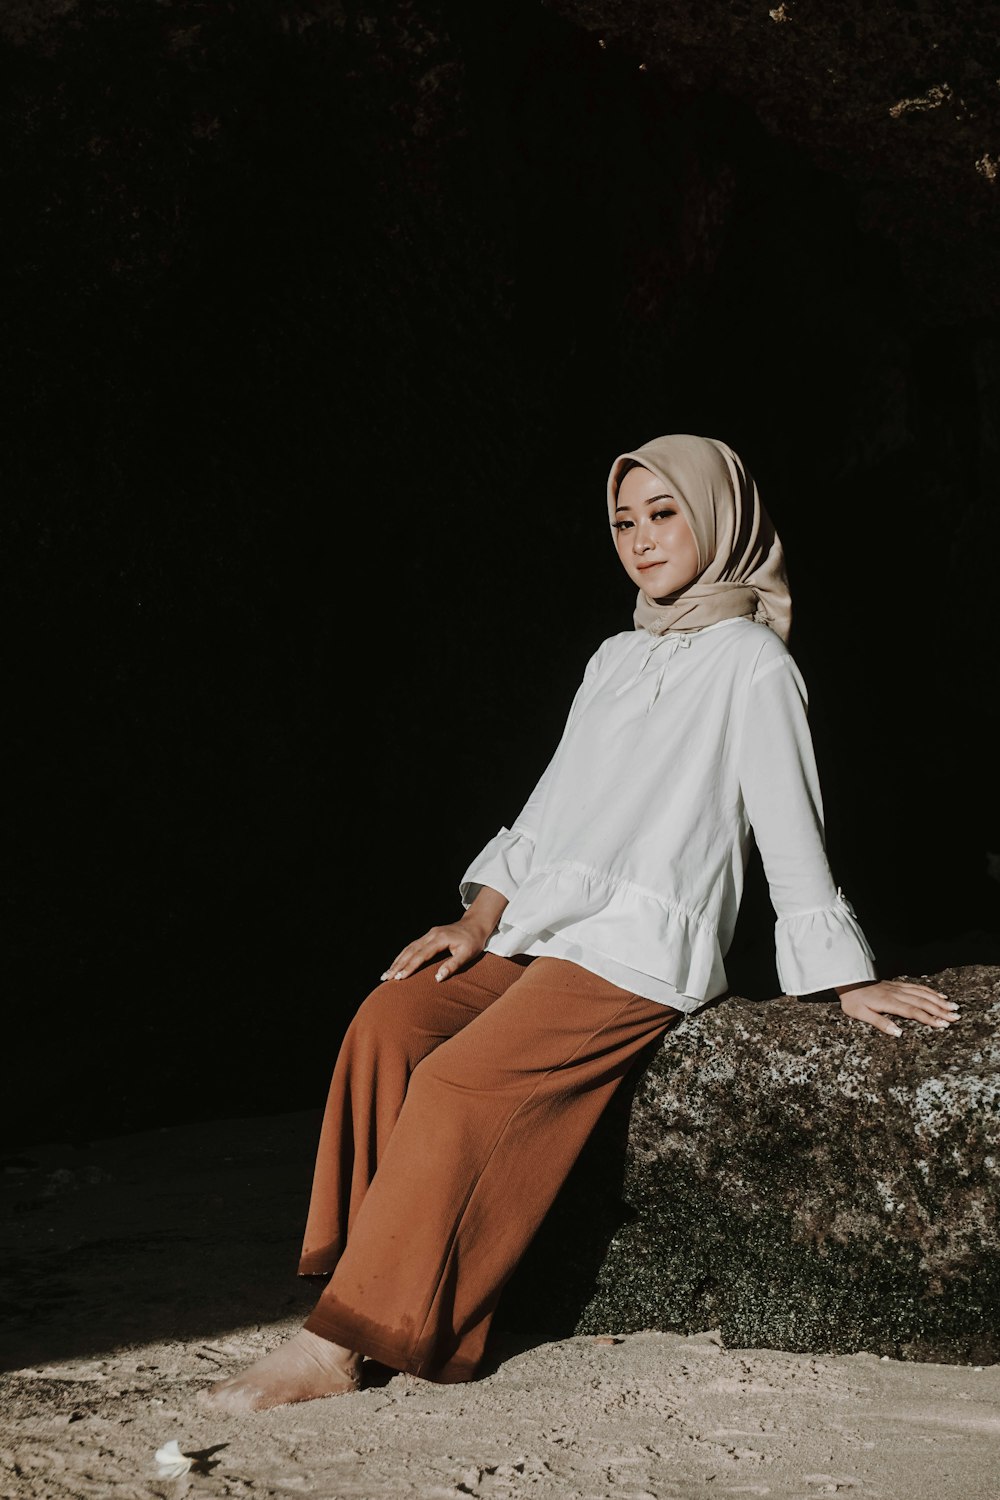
[(895, 1031), (385, 975), (398, 974), (940, 1023), (439, 975)]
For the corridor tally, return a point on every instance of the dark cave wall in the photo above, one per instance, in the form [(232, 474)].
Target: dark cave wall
[(900, 99), (322, 326)]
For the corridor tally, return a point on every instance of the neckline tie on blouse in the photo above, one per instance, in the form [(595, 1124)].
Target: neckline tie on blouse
[(669, 643)]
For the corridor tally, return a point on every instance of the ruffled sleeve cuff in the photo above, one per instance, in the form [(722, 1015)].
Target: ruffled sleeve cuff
[(502, 865), (817, 949)]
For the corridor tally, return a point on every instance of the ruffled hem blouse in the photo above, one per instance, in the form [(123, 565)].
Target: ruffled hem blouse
[(629, 857)]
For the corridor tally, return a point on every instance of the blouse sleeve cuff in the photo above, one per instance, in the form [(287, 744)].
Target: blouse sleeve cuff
[(817, 949), (502, 865)]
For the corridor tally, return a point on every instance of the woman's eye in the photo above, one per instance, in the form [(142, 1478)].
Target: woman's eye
[(620, 525), (659, 514)]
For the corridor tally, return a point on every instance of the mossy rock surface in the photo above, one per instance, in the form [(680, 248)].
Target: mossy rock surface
[(796, 1180)]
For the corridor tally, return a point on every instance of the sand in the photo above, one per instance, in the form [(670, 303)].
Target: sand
[(139, 1269)]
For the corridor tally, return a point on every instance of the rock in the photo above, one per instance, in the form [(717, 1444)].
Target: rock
[(796, 1180)]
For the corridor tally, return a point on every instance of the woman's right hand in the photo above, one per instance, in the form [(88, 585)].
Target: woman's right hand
[(462, 941)]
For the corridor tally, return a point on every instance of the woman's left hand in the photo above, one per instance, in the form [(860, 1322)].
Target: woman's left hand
[(876, 1001)]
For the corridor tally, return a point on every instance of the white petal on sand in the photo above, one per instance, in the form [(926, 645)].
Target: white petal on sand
[(171, 1461)]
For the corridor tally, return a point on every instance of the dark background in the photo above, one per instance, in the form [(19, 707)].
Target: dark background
[(321, 327)]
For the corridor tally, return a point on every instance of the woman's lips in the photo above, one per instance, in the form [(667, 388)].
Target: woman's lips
[(645, 567)]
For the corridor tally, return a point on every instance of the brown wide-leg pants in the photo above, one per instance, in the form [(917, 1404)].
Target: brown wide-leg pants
[(455, 1113)]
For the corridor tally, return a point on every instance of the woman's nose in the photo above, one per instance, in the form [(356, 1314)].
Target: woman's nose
[(641, 543)]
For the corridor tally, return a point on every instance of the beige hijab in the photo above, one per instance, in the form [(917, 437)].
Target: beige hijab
[(740, 555)]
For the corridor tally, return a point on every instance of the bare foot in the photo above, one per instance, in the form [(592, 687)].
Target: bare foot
[(301, 1369)]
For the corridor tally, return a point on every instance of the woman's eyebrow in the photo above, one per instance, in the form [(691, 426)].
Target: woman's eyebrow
[(653, 499)]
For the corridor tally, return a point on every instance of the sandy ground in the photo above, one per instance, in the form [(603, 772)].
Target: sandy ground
[(138, 1269)]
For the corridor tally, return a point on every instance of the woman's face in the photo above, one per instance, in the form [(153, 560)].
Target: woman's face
[(655, 543)]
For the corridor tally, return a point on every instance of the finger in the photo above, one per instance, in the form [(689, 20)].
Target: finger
[(408, 963), (398, 962), (881, 1023), (924, 1011), (460, 953), (414, 955), (935, 997), (933, 1013), (950, 1007)]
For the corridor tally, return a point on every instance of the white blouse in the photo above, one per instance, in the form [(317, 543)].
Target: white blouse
[(629, 856)]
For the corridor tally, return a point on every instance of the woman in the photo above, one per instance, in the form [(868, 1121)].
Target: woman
[(466, 1085)]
